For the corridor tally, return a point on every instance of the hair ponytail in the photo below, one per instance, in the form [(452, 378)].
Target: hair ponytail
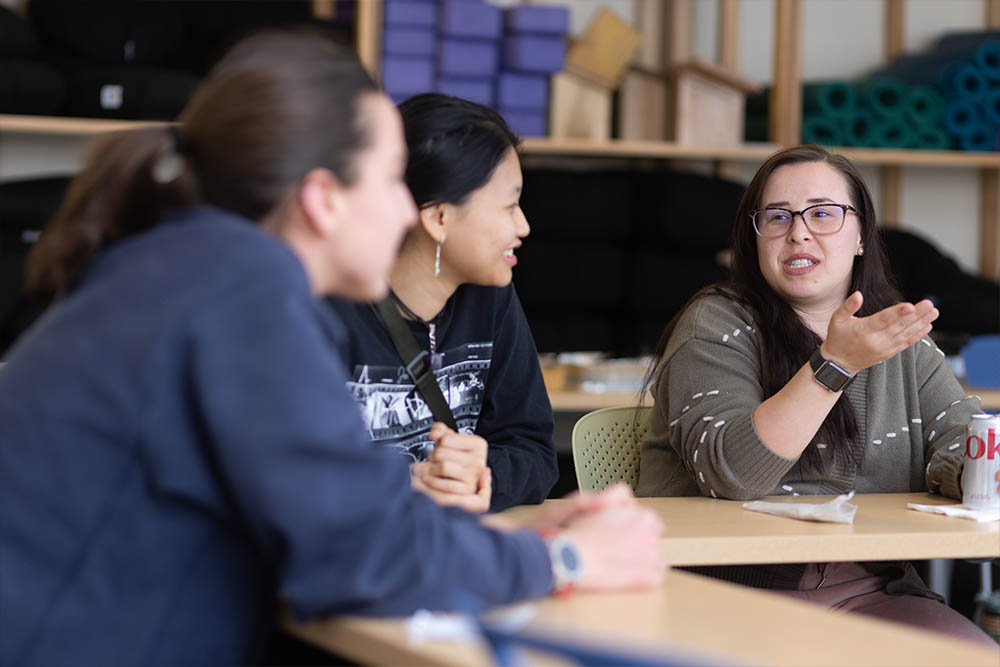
[(116, 195)]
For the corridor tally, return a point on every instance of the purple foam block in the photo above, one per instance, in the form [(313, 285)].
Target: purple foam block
[(411, 12), (477, 20), (409, 41), (479, 90), (522, 91), (466, 57), (534, 53), (549, 20), (407, 75), (526, 123)]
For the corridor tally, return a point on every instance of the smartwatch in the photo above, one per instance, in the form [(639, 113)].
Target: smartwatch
[(828, 373), (567, 564)]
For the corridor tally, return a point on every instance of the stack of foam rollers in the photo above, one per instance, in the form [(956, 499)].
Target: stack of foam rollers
[(947, 99)]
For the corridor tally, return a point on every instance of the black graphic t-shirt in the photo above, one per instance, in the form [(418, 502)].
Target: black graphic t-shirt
[(487, 367), (397, 415)]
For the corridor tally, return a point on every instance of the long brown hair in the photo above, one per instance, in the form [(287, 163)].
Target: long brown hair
[(278, 105), (786, 343)]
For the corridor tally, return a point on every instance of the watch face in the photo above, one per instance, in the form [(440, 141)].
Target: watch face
[(570, 559), (832, 377)]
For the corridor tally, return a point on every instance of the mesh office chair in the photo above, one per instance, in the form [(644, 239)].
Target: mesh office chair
[(606, 446)]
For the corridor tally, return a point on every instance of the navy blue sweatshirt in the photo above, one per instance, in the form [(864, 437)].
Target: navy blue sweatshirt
[(178, 453), (485, 362)]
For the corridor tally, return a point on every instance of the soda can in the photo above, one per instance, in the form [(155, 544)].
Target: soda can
[(982, 461)]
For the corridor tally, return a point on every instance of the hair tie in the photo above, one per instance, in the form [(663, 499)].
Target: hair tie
[(169, 166)]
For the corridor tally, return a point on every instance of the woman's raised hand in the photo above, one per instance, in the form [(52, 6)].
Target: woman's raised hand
[(855, 343)]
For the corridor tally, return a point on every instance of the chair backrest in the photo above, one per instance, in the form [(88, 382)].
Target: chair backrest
[(606, 446)]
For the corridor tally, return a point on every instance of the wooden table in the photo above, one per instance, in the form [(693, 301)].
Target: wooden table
[(706, 531), (688, 614)]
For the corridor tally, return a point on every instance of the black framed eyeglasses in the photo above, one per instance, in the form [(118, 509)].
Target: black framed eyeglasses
[(820, 219)]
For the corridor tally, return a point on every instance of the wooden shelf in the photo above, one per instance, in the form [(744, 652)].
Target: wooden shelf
[(60, 125), (750, 152)]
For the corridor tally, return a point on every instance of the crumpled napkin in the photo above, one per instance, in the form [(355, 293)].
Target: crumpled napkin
[(837, 510), (960, 511)]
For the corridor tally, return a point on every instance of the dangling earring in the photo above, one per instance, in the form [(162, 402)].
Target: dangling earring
[(861, 250), (437, 257)]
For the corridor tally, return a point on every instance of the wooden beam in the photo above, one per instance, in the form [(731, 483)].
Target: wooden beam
[(891, 195), (729, 34), (989, 224), (368, 33), (785, 123), (678, 26), (992, 14), (650, 21), (895, 15)]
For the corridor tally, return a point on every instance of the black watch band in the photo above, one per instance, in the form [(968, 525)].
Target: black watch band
[(828, 373)]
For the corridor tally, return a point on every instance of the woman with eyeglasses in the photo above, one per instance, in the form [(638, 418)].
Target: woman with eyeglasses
[(805, 374)]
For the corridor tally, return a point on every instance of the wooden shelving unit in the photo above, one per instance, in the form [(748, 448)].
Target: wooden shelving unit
[(60, 125), (751, 152), (785, 103)]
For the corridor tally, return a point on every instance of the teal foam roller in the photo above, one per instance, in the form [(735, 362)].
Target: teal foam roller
[(991, 106), (988, 59), (885, 97), (833, 99), (967, 81), (961, 117), (980, 137), (893, 133), (930, 138), (821, 129), (858, 129), (924, 107)]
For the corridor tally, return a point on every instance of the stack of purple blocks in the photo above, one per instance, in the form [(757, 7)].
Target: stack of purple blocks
[(409, 47), (534, 47), (472, 49), (469, 56)]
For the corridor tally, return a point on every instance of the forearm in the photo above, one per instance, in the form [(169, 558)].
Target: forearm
[(788, 420)]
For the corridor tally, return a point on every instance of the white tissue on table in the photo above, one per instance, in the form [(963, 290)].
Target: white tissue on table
[(438, 626), (837, 510), (960, 511), (430, 626)]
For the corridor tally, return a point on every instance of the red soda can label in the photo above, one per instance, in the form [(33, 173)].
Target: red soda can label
[(982, 461)]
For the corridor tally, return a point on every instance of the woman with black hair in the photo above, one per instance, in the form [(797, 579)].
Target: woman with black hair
[(452, 283), (805, 375)]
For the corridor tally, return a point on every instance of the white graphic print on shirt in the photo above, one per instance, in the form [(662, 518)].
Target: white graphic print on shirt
[(396, 414)]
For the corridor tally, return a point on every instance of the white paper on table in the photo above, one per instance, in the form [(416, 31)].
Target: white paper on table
[(960, 511), (426, 625), (837, 510)]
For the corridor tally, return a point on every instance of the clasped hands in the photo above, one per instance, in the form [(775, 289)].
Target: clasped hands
[(455, 473)]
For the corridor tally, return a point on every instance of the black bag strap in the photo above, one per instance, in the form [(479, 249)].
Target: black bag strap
[(416, 361)]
